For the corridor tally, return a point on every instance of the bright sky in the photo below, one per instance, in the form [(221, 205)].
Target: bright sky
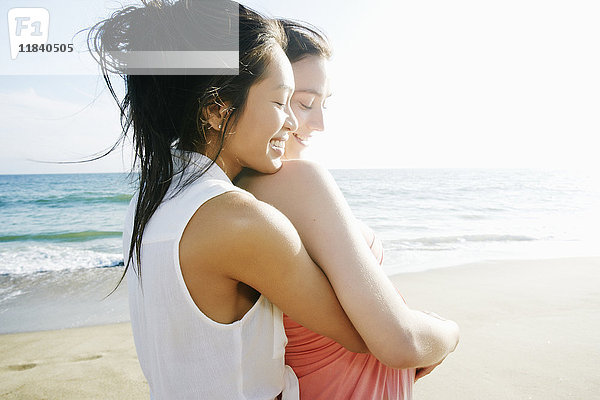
[(416, 84)]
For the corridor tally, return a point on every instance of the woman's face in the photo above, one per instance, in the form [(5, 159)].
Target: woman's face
[(258, 140), (308, 102)]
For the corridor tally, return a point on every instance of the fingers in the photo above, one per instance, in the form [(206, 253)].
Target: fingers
[(424, 371), (421, 372)]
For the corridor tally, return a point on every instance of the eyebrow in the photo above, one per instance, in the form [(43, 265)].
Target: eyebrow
[(312, 91)]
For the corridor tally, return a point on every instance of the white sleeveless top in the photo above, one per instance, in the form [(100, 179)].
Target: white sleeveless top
[(183, 353)]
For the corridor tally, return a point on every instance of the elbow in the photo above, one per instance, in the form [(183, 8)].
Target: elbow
[(401, 354), (419, 347), (413, 354), (402, 359)]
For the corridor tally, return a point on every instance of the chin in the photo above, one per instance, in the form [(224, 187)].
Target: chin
[(291, 152), (292, 155), (277, 165)]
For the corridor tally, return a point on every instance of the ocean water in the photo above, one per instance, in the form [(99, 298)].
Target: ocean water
[(434, 218), (60, 235), (61, 251)]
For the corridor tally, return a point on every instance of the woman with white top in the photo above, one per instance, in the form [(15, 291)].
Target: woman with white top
[(209, 267)]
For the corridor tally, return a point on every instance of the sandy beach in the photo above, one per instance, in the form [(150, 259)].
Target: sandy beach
[(529, 330), (97, 362)]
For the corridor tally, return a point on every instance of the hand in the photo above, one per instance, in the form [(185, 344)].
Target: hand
[(424, 371)]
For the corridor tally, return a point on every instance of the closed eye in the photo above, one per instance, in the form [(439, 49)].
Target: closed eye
[(304, 106)]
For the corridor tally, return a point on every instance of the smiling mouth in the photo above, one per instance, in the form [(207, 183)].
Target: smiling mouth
[(277, 144), (303, 139)]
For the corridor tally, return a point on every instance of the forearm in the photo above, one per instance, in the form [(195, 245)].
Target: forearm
[(402, 337), (331, 236), (396, 335)]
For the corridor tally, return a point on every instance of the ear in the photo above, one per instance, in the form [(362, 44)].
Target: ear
[(215, 115)]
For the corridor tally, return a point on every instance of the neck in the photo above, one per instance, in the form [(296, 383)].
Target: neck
[(231, 170)]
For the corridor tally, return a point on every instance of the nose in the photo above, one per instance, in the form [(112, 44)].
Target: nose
[(316, 121), (291, 122)]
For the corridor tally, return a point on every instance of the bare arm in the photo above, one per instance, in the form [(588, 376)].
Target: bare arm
[(398, 336), (236, 237), (372, 240)]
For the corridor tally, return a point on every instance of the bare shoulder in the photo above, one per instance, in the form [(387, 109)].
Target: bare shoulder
[(293, 178), (232, 214), (233, 227), (303, 171)]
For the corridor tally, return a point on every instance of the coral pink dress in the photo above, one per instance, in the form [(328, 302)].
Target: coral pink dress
[(326, 370)]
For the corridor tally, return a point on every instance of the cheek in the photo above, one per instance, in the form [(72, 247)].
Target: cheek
[(301, 116), (257, 130), (249, 125)]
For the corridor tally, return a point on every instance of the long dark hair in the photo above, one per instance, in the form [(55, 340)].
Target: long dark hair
[(304, 39), (170, 111)]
